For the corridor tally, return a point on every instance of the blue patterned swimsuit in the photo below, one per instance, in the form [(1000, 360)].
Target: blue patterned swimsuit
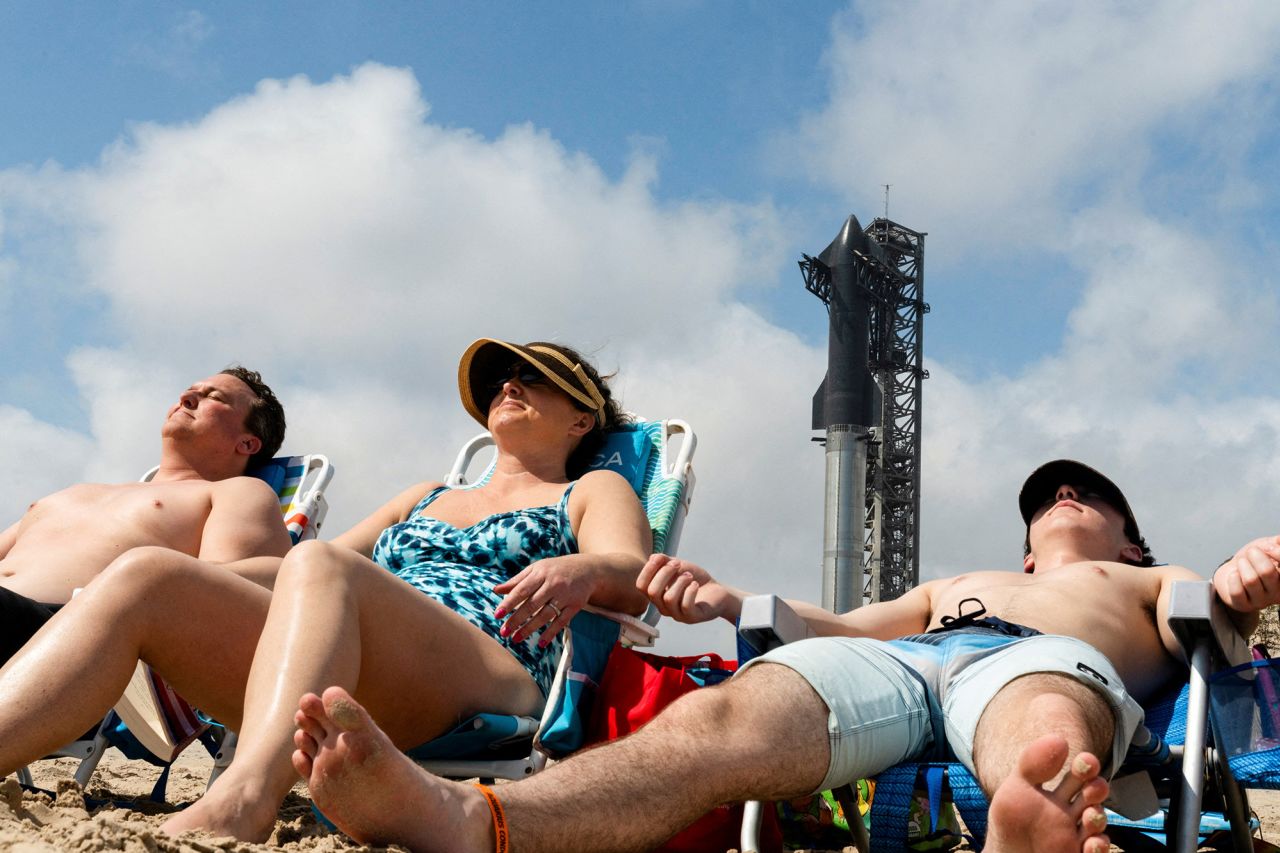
[(460, 566)]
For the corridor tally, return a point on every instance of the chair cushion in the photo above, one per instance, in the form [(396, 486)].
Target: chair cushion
[(625, 451), (272, 473)]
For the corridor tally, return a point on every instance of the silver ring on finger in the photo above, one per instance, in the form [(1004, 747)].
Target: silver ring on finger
[(553, 606)]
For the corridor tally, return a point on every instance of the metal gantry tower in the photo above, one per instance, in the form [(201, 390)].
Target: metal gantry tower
[(893, 468), (872, 283)]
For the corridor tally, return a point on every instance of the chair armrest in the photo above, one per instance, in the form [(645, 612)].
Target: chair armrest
[(1196, 616), (634, 631), (767, 622)]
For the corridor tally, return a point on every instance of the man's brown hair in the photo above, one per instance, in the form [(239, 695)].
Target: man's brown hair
[(266, 417)]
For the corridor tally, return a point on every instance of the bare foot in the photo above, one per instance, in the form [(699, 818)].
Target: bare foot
[(1027, 818), (372, 791), (227, 810)]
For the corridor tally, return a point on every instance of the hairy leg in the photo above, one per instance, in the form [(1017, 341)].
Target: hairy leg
[(151, 604), (338, 619), (1038, 750), (716, 745)]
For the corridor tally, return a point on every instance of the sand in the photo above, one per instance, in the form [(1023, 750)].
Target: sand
[(40, 824), (36, 823)]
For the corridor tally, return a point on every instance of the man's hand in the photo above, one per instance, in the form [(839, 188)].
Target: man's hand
[(686, 592), (1250, 580)]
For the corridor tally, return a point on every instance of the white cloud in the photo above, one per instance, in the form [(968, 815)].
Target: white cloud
[(37, 459), (334, 237), (336, 208), (1067, 129), (991, 120)]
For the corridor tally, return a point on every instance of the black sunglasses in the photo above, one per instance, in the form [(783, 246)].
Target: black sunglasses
[(523, 372)]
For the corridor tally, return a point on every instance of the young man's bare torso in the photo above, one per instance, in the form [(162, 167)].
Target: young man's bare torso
[(1114, 607), (199, 502), (67, 538)]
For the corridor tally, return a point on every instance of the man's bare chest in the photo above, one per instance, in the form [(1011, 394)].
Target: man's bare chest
[(1070, 600), (151, 511)]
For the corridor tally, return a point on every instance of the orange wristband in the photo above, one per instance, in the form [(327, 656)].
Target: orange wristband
[(502, 842)]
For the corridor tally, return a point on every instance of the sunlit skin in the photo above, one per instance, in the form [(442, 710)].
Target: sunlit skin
[(197, 503), (1038, 749), (334, 617)]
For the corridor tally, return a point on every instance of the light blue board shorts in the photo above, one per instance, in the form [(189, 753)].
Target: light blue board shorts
[(894, 701)]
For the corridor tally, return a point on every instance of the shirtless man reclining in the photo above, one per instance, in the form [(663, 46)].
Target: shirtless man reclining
[(198, 503), (1042, 712)]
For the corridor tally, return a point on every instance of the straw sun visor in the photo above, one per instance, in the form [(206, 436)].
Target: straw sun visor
[(489, 357)]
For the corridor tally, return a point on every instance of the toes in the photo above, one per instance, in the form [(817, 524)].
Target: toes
[(1097, 844), (1042, 759), (1083, 769), (311, 726), (311, 706), (1094, 792), (345, 712), (1093, 821), (306, 743), (302, 764)]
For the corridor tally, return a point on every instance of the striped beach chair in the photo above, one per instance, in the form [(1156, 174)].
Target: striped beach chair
[(152, 722)]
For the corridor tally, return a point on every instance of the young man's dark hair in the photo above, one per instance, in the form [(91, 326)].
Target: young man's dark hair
[(266, 418)]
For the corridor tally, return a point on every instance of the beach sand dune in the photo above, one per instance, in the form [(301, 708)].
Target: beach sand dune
[(37, 823)]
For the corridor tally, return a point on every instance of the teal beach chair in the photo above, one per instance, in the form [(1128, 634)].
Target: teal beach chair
[(497, 746)]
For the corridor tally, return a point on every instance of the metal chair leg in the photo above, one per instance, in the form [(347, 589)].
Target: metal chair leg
[(752, 815), (848, 800), (1236, 804)]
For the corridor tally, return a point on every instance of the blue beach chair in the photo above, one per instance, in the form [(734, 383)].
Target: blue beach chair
[(496, 746), (1163, 783), (164, 724)]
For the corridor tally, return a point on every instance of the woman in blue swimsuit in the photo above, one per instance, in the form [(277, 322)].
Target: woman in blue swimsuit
[(446, 602), (442, 603)]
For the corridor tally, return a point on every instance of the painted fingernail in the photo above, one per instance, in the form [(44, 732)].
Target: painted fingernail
[(504, 631), (543, 643), (500, 612), (515, 638)]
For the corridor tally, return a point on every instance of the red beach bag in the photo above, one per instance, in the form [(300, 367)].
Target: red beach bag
[(635, 687)]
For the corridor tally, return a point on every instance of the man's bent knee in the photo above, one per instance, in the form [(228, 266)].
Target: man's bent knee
[(1055, 704)]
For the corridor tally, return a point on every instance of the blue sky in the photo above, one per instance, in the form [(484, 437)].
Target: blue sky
[(343, 195), (707, 87), (701, 85)]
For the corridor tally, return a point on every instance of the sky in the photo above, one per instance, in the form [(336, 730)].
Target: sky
[(344, 195)]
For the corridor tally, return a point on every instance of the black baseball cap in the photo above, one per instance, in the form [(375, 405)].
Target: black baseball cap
[(1045, 480)]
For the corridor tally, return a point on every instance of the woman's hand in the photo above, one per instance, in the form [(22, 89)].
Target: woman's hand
[(544, 596), (687, 592)]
